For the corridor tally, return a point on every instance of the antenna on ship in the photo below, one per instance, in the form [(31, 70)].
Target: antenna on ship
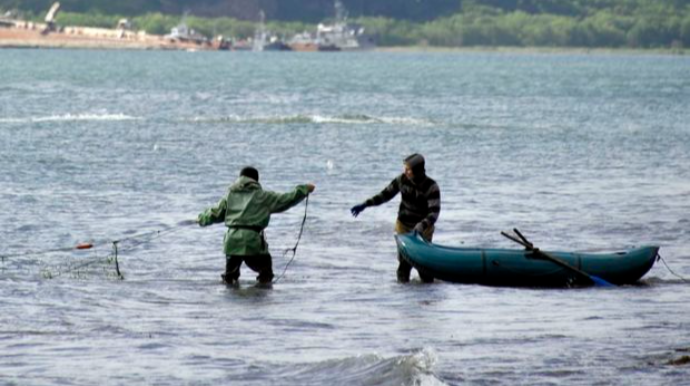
[(340, 12), (260, 33)]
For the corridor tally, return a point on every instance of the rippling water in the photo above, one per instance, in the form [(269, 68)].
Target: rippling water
[(581, 152)]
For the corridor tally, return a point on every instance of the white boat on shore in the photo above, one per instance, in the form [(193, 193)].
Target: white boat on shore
[(336, 36)]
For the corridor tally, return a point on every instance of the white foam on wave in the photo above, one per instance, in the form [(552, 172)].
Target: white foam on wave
[(227, 118), (406, 121), (410, 369), (71, 117), (348, 119)]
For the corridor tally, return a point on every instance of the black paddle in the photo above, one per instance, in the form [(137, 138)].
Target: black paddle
[(530, 247)]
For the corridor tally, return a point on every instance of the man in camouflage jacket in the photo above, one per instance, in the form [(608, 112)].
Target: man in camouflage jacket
[(419, 208)]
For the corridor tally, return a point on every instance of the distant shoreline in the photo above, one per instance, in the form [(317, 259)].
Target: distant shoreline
[(537, 50), (35, 36), (39, 42)]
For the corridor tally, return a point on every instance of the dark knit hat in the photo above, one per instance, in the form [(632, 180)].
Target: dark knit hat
[(415, 162), (251, 172)]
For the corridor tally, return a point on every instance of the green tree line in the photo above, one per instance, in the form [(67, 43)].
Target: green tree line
[(311, 11), (518, 23), (160, 24), (649, 25)]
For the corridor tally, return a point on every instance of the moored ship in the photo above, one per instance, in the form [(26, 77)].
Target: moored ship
[(337, 36)]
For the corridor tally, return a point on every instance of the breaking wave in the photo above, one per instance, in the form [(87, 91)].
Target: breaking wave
[(412, 369), (352, 119)]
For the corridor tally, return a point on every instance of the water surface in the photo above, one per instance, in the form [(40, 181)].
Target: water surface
[(580, 152)]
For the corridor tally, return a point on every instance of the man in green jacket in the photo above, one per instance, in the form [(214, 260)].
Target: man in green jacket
[(246, 211)]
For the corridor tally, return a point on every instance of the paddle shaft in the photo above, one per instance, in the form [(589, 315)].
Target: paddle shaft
[(563, 264), (523, 241)]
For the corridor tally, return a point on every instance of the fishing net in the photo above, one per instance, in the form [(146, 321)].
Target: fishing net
[(83, 261), (96, 262)]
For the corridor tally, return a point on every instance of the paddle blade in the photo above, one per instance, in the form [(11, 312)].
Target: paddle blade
[(599, 282)]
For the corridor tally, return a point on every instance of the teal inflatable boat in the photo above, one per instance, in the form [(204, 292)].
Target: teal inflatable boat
[(513, 267)]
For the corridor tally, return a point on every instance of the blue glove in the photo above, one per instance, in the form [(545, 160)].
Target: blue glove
[(419, 228), (357, 209)]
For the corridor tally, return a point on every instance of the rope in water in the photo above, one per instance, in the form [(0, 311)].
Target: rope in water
[(670, 270), (148, 237), (47, 251), (294, 249)]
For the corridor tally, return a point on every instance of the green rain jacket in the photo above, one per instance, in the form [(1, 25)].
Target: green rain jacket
[(246, 211)]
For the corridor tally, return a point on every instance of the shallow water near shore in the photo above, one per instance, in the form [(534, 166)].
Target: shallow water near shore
[(580, 152)]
